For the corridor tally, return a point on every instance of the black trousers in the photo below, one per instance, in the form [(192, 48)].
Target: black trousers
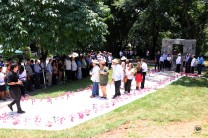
[(157, 64), (161, 65), (22, 87), (143, 79), (165, 63), (54, 79), (128, 86), (117, 88), (83, 72), (192, 69), (37, 80), (29, 83), (178, 66), (16, 95), (68, 75), (109, 65), (74, 75)]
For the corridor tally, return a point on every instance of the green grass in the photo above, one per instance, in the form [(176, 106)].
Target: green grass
[(183, 100)]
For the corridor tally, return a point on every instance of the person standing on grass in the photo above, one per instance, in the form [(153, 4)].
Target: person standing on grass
[(178, 63), (50, 72), (200, 62), (79, 71), (193, 64), (103, 78), (14, 83), (121, 54), (144, 70), (74, 69), (37, 70), (130, 77), (95, 73), (161, 62), (157, 60), (117, 77), (29, 69), (84, 67), (60, 70), (55, 72), (2, 85), (138, 78), (110, 58), (68, 65)]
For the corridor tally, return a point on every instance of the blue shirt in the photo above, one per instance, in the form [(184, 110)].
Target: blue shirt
[(79, 63), (187, 58), (37, 68), (165, 56), (200, 60), (2, 64), (49, 68)]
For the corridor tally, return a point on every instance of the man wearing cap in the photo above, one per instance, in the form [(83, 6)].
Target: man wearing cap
[(178, 63), (117, 76), (95, 73), (74, 69)]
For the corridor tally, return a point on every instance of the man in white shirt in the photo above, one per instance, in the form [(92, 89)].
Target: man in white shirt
[(144, 70), (95, 73), (193, 64), (74, 69), (117, 76), (178, 63), (68, 65)]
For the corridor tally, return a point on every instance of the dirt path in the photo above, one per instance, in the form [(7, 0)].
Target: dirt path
[(144, 128)]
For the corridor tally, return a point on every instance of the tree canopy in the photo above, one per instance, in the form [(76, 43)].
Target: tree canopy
[(54, 25)]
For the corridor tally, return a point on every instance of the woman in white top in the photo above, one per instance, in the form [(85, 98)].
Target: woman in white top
[(169, 61), (161, 62), (2, 85), (130, 77), (95, 73), (22, 77), (123, 65), (74, 69)]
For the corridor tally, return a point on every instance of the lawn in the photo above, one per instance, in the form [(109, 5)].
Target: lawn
[(182, 101)]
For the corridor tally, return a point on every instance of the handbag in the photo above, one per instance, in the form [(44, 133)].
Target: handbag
[(125, 79)]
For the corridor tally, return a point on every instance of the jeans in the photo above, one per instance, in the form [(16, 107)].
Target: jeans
[(143, 79), (95, 89)]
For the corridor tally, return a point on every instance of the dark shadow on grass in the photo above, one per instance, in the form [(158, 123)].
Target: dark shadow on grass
[(69, 86), (191, 82)]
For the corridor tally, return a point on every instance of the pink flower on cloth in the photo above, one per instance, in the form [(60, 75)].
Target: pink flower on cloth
[(41, 98), (16, 122), (61, 120), (113, 102), (87, 112), (49, 124), (72, 118), (81, 115), (107, 104), (38, 120)]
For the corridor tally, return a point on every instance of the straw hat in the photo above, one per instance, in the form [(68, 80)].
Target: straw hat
[(123, 58), (179, 54), (115, 60), (95, 61)]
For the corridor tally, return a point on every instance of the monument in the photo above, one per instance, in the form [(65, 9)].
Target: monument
[(175, 46)]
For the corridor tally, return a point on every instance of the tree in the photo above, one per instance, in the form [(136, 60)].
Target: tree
[(54, 25)]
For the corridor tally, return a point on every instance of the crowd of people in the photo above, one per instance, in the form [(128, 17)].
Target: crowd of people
[(189, 62), (17, 79), (123, 74)]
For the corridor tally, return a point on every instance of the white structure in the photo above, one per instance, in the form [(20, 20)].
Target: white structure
[(189, 46)]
